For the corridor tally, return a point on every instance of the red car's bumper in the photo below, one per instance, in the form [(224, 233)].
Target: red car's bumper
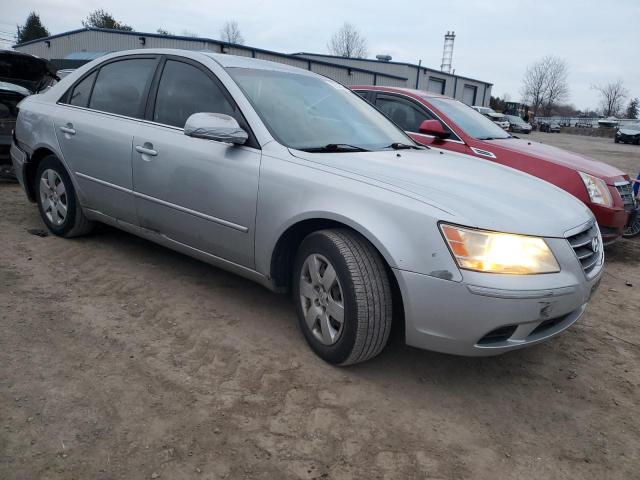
[(611, 221)]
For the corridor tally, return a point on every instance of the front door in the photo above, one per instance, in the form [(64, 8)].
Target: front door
[(198, 192)]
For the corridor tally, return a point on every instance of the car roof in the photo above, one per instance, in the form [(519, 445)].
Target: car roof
[(410, 91), (224, 60)]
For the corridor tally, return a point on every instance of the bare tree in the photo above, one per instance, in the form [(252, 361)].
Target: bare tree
[(545, 84), (557, 89), (348, 42), (230, 33), (612, 95)]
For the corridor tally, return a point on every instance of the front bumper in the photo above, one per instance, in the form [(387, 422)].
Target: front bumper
[(610, 220), (489, 314)]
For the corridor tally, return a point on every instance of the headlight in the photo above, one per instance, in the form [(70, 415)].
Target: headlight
[(597, 189), (495, 252)]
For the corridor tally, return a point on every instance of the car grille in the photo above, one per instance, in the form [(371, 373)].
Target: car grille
[(588, 247), (626, 192)]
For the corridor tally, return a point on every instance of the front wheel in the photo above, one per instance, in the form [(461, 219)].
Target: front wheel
[(632, 229), (343, 296), (57, 200)]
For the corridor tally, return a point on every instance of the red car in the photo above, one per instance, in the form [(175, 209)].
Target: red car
[(442, 122)]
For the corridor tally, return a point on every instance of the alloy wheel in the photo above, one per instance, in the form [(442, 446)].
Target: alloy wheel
[(322, 299), (53, 196)]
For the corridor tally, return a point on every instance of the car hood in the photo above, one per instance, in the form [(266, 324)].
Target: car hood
[(629, 131), (473, 191), (28, 71), (12, 88), (558, 156)]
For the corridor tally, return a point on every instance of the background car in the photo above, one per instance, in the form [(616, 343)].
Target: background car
[(628, 134), (499, 119), (483, 110), (20, 76), (549, 127), (518, 125), (293, 181), (451, 125)]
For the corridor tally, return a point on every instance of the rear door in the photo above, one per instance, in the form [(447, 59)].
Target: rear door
[(201, 193), (95, 124)]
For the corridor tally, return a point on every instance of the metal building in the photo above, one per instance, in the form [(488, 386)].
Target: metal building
[(73, 48), (465, 89)]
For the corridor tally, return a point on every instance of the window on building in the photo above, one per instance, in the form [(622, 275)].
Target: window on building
[(121, 85), (80, 94), (185, 90), (436, 85)]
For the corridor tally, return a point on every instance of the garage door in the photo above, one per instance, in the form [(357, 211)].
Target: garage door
[(436, 85), (469, 94)]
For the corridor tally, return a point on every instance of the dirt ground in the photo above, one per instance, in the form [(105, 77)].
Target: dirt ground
[(121, 359)]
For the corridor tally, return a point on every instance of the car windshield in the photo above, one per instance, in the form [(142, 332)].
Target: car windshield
[(470, 121), (631, 126), (308, 112)]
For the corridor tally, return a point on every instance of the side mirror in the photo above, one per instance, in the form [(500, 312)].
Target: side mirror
[(215, 126), (434, 128)]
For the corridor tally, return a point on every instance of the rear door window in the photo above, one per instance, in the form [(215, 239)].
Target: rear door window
[(121, 87), (80, 94), (185, 90)]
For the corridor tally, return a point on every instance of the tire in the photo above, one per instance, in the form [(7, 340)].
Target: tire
[(361, 285), (633, 229), (616, 140), (57, 200)]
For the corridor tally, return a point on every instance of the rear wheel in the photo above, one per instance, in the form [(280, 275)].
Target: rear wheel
[(57, 200), (343, 296)]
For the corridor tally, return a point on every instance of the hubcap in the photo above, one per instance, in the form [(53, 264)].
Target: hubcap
[(321, 299), (53, 196)]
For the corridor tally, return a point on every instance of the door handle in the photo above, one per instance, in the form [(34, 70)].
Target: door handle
[(68, 129), (146, 150)]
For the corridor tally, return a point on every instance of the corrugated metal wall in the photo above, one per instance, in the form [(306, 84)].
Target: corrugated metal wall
[(454, 84), (104, 41)]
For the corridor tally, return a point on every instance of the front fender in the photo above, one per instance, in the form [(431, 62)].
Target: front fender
[(404, 230)]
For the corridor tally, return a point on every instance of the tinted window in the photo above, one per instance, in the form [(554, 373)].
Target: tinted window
[(81, 92), (403, 112), (185, 90), (120, 86)]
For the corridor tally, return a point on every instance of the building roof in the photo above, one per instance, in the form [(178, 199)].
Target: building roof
[(379, 62), (206, 40)]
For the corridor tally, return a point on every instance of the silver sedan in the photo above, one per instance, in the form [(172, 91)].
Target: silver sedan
[(289, 179)]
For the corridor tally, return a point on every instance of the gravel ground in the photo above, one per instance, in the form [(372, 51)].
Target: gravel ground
[(121, 359)]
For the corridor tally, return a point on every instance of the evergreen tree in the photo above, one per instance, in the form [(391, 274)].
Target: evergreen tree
[(32, 29)]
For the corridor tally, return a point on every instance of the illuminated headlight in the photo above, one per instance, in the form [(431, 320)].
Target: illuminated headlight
[(597, 189), (495, 252)]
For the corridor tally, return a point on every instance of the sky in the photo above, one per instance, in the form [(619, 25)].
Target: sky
[(495, 39)]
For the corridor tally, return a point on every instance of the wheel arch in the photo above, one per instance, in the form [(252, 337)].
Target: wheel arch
[(285, 249), (31, 168)]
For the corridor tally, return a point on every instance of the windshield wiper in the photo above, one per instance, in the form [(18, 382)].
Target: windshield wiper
[(404, 146), (335, 147)]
